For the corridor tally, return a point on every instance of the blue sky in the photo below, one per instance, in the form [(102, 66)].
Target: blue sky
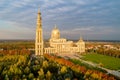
[(91, 19)]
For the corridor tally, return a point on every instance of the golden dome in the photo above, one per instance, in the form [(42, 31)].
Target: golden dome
[(55, 33)]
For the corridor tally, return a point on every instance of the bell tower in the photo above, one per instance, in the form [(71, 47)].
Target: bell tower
[(39, 36)]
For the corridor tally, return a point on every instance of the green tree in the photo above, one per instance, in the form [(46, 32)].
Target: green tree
[(36, 62), (31, 76), (27, 70), (6, 77), (29, 63)]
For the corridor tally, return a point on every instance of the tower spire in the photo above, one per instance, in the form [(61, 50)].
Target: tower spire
[(38, 10), (39, 23), (39, 36), (55, 26), (81, 39)]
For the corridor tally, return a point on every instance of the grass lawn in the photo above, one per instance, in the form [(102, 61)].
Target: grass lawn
[(76, 61), (107, 61)]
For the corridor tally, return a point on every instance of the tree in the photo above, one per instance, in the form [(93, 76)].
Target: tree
[(41, 74), (6, 77), (29, 63), (31, 76), (27, 70), (36, 62), (48, 75), (45, 64), (63, 69)]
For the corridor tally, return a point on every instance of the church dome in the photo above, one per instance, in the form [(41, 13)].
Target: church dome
[(55, 33)]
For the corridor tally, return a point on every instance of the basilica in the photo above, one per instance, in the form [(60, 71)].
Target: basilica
[(57, 45)]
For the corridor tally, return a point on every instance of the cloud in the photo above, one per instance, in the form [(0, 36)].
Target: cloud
[(83, 29), (62, 9), (88, 32), (15, 32), (21, 3), (96, 17), (48, 3)]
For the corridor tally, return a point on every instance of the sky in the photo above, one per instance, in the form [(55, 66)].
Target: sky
[(90, 19)]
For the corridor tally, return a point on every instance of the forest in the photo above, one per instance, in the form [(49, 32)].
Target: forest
[(46, 67)]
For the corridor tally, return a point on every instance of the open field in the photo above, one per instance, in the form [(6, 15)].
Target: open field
[(107, 61), (16, 44)]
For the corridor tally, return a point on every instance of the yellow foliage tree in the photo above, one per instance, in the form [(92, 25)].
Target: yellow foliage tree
[(41, 74), (63, 69), (45, 64), (48, 75)]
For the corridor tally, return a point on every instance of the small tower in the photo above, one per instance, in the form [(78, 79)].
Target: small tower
[(39, 36), (81, 45)]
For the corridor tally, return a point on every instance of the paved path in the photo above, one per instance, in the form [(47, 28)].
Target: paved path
[(75, 56)]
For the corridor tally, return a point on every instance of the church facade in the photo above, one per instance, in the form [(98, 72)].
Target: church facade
[(56, 44)]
